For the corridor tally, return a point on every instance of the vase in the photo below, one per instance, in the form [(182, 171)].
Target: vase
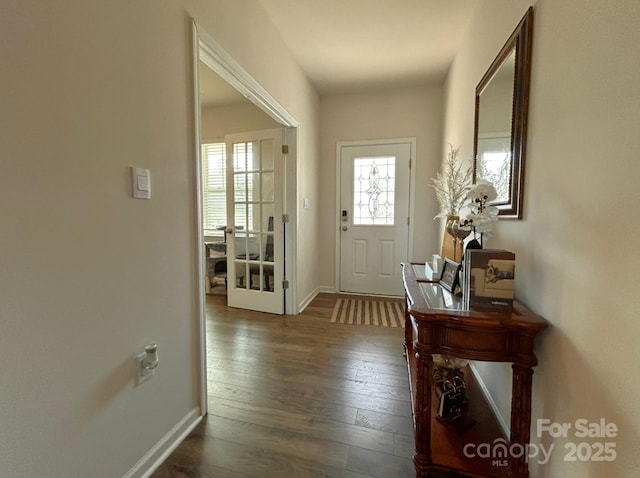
[(459, 234), (448, 248)]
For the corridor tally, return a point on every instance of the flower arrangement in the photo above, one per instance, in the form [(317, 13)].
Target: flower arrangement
[(482, 215), (451, 184)]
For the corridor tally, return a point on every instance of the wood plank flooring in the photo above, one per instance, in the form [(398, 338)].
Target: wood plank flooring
[(298, 396)]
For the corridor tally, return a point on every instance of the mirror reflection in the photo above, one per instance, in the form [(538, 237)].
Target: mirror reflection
[(494, 129)]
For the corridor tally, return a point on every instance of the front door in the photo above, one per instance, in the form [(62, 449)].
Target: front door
[(255, 228), (374, 213)]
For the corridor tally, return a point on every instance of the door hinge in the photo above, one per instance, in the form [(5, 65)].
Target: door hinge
[(285, 218), (285, 149), (409, 163), (408, 221), (285, 284)]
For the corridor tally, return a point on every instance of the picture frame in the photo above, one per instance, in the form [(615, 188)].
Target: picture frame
[(449, 275)]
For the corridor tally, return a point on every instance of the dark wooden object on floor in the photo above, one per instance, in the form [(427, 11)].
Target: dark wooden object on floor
[(440, 327)]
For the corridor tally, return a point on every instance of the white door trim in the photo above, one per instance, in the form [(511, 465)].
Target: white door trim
[(216, 58), (412, 182), (205, 48)]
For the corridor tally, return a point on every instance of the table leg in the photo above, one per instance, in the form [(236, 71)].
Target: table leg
[(422, 411), (521, 417)]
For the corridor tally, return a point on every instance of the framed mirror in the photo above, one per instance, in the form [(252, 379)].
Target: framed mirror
[(500, 133)]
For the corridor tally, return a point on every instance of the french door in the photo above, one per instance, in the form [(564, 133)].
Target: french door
[(374, 217), (255, 228)]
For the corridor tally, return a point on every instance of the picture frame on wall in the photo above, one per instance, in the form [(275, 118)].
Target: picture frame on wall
[(449, 275)]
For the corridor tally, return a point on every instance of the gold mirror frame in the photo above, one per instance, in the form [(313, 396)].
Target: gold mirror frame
[(510, 205)]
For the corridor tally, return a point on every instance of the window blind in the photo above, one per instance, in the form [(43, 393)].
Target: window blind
[(214, 187)]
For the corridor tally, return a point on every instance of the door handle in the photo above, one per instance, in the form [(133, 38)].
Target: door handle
[(344, 228)]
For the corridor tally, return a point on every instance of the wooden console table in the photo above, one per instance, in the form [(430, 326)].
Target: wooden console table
[(436, 324)]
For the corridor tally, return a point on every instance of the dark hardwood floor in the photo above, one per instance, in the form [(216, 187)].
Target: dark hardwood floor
[(298, 396)]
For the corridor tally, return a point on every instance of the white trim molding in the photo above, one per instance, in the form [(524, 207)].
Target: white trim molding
[(167, 444), (216, 58), (326, 289), (199, 245)]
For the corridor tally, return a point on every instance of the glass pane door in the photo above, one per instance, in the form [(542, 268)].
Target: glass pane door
[(254, 205)]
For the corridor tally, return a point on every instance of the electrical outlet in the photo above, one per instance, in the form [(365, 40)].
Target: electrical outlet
[(142, 374)]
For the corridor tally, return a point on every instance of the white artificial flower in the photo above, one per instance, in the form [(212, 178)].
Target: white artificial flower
[(483, 190), (482, 215), (480, 221), (492, 211), (484, 226)]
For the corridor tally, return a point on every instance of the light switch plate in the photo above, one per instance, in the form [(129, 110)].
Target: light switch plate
[(141, 182)]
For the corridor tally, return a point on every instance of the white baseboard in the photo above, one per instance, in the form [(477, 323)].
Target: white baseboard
[(307, 300), (502, 423), (161, 450)]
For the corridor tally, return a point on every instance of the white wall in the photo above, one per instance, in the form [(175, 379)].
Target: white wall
[(89, 275), (580, 191), (399, 113), (240, 118)]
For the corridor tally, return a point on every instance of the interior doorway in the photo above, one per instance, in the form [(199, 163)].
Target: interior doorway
[(209, 55)]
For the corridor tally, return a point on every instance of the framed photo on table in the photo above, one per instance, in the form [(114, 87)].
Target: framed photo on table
[(449, 275)]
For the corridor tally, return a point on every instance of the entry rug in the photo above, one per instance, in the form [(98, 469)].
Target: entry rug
[(368, 312)]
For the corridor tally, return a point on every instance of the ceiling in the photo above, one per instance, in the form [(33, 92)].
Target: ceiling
[(347, 46), (355, 45)]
